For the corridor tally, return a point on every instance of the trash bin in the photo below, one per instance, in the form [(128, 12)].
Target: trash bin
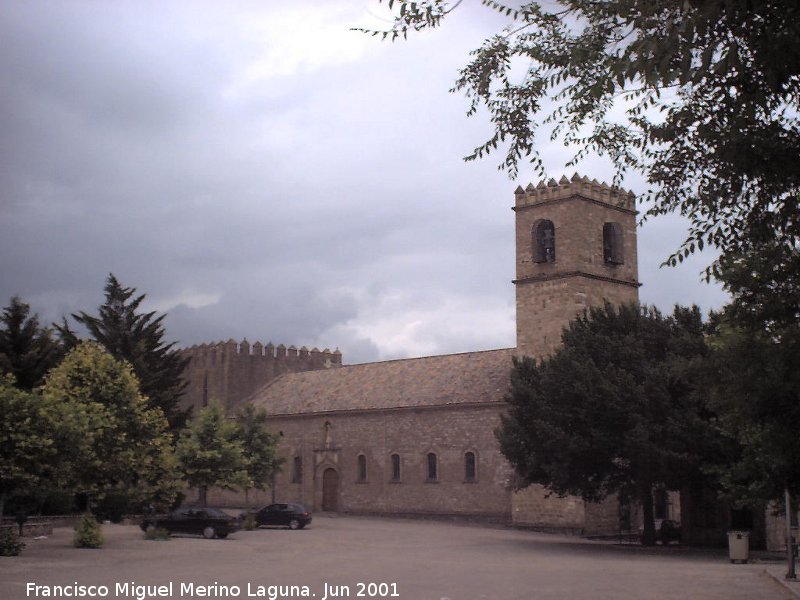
[(739, 546)]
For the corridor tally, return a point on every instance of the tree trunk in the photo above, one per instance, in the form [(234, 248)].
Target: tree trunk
[(648, 526), (202, 495), (2, 505)]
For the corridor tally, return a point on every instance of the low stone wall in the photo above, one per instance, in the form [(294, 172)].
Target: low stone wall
[(484, 518), (41, 525), (30, 530)]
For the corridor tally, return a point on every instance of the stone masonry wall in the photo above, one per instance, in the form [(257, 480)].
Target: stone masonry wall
[(535, 508), (449, 432), (602, 518), (545, 308), (230, 372)]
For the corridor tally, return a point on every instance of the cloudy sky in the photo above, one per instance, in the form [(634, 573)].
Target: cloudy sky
[(263, 172)]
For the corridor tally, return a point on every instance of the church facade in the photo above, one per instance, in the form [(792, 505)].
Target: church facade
[(416, 436)]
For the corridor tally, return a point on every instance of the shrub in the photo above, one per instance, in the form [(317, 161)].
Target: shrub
[(249, 523), (156, 533), (88, 533), (10, 544)]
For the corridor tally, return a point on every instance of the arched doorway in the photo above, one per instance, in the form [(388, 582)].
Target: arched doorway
[(330, 490)]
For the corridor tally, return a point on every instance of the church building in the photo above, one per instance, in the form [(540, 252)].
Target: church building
[(416, 436)]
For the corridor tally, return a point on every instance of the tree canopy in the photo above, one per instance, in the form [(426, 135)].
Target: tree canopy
[(138, 338), (28, 426), (27, 350), (701, 98), (757, 395), (211, 452), (619, 408), (763, 278), (755, 366), (110, 439), (259, 446)]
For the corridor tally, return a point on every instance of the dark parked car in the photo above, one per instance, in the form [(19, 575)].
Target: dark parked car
[(208, 522), (667, 531), (293, 516)]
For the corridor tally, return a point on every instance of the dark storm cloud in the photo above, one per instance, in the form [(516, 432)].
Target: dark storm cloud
[(259, 171)]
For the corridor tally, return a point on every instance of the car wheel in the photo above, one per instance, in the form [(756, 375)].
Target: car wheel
[(209, 532), (294, 524)]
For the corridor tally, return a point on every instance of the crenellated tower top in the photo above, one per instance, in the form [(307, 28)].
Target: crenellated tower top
[(577, 186)]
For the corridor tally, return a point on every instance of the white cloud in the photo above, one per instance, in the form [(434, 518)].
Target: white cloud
[(294, 39), (187, 298), (402, 323)]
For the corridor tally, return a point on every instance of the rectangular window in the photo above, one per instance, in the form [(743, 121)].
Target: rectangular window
[(362, 468), (395, 467), (297, 470), (433, 475), (470, 468)]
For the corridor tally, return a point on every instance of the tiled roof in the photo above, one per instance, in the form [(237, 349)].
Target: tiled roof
[(430, 381)]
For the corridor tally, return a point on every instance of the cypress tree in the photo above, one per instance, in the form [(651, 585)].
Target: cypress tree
[(138, 338), (27, 350)]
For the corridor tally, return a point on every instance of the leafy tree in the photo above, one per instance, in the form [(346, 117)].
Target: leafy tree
[(211, 453), (756, 368), (112, 440), (764, 282), (619, 408), (756, 378), (702, 98), (27, 350), (137, 338), (259, 447), (27, 425)]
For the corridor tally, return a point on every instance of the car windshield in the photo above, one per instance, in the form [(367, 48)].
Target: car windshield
[(215, 512)]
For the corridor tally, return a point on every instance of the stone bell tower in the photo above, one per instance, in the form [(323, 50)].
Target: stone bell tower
[(576, 248)]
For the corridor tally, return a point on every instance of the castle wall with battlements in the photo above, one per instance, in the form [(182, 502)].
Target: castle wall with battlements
[(230, 372)]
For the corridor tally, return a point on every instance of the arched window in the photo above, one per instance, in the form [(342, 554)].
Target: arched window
[(432, 464), (544, 241), (297, 470), (362, 468), (395, 458), (470, 467), (613, 247)]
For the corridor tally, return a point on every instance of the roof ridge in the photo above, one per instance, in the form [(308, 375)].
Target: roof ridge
[(391, 360)]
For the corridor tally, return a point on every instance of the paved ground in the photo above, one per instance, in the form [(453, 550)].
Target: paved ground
[(426, 560)]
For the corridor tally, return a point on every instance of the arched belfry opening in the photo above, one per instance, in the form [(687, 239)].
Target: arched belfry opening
[(544, 241), (613, 244)]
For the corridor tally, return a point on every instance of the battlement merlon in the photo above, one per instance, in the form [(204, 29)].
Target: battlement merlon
[(577, 186), (231, 349)]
